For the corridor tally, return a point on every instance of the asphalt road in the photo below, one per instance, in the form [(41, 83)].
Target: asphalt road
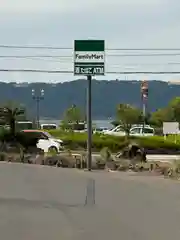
[(42, 203)]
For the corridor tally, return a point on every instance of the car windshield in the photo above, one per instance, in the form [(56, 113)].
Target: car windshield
[(48, 134)]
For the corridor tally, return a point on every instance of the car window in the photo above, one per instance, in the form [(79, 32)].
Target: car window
[(148, 130), (135, 130), (48, 135), (118, 129), (38, 135), (43, 136)]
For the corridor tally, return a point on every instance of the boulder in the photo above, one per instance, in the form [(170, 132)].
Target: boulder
[(61, 160), (97, 162), (11, 147), (132, 152), (66, 160), (51, 160), (34, 150), (14, 157), (111, 165), (3, 157)]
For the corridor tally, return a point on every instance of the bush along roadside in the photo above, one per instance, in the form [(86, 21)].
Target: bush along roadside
[(152, 145), (78, 141)]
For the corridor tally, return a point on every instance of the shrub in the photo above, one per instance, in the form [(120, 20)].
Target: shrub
[(97, 144), (18, 139), (151, 144), (105, 154)]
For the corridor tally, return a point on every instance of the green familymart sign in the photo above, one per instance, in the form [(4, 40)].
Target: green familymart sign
[(89, 57)]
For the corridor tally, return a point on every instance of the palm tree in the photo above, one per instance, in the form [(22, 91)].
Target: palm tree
[(10, 113)]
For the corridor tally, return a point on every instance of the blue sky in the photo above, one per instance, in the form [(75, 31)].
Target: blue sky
[(122, 23)]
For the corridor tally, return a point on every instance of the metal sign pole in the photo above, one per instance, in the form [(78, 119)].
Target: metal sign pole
[(89, 60), (89, 123)]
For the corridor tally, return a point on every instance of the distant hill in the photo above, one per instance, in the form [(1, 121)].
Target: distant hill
[(105, 94)]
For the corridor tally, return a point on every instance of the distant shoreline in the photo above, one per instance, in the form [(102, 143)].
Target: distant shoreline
[(98, 123)]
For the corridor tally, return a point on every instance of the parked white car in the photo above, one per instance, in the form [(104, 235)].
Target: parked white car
[(99, 130), (142, 131), (46, 141), (134, 131), (117, 131)]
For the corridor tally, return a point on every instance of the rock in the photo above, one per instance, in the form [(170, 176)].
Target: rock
[(132, 152), (3, 157), (34, 150), (97, 162), (124, 165), (39, 159), (13, 157), (111, 165), (28, 159), (61, 160), (51, 160), (66, 161)]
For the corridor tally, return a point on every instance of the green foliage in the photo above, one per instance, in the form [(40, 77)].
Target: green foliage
[(66, 126), (9, 113), (174, 107), (161, 115), (106, 95), (115, 123), (105, 154), (19, 138), (52, 152), (168, 114), (127, 116), (78, 141), (72, 118)]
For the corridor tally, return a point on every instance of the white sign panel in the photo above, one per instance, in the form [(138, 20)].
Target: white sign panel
[(89, 57), (170, 128)]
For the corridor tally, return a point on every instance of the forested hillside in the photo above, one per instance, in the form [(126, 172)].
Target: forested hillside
[(106, 96)]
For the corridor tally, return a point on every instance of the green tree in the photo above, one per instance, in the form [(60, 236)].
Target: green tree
[(73, 116), (161, 115), (9, 113), (115, 123), (174, 107), (128, 115)]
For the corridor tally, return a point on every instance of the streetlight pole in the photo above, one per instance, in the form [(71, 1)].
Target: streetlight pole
[(38, 98)]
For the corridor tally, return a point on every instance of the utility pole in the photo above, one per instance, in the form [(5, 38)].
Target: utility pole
[(144, 97), (38, 98)]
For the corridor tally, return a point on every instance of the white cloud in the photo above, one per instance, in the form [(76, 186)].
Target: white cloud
[(122, 23), (69, 5), (27, 6)]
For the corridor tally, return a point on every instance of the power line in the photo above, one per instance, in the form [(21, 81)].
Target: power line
[(113, 64), (68, 71), (35, 47), (61, 60), (144, 55), (70, 48), (143, 49), (34, 56)]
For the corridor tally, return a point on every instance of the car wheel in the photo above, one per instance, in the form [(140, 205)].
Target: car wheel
[(53, 149)]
